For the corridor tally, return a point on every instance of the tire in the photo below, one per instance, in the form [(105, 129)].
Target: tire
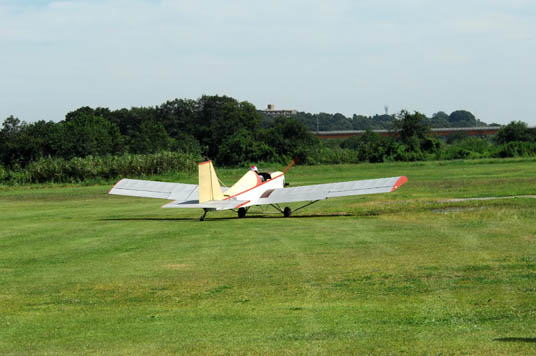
[(287, 212), (242, 213)]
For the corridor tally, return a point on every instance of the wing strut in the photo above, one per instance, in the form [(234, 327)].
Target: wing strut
[(287, 211), (306, 205)]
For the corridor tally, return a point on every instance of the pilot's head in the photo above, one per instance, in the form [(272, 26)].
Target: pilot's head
[(254, 169)]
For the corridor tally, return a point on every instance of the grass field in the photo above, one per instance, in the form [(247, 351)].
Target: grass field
[(397, 274)]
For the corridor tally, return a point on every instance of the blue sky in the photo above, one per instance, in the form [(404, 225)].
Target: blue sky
[(331, 56)]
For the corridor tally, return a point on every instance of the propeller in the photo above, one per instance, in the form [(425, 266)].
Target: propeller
[(290, 165)]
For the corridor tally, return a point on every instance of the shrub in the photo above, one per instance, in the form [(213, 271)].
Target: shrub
[(332, 155), (516, 149), (456, 152), (371, 147), (515, 131), (468, 148)]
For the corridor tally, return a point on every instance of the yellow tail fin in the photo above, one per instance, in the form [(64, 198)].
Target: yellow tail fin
[(209, 185)]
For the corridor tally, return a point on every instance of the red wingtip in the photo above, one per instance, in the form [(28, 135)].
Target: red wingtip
[(203, 163), (400, 182)]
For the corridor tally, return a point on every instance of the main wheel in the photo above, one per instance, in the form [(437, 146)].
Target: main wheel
[(242, 213), (287, 212)]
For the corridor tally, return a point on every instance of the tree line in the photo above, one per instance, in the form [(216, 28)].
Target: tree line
[(216, 127), (99, 142), (339, 122)]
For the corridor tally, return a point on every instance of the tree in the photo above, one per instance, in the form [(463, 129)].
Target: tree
[(289, 138), (40, 138), (515, 131), (88, 135), (371, 147), (219, 117), (242, 147), (178, 116), (413, 133), (151, 137), (412, 128), (463, 118), (12, 141), (440, 119), (88, 111)]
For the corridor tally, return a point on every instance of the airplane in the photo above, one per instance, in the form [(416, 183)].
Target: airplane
[(253, 189)]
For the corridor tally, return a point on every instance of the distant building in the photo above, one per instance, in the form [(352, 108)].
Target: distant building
[(272, 111), (441, 132)]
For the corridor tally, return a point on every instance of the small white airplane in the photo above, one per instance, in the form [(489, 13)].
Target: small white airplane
[(252, 189)]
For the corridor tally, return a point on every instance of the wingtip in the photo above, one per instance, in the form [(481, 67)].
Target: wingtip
[(115, 185), (400, 182)]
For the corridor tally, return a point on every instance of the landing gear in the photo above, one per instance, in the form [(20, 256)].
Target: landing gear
[(242, 212), (202, 218), (287, 212)]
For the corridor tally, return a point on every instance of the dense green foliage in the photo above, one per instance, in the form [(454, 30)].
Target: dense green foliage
[(339, 122), (414, 143), (216, 127), (406, 273), (231, 133), (60, 170)]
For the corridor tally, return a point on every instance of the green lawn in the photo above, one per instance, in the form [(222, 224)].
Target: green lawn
[(396, 274)]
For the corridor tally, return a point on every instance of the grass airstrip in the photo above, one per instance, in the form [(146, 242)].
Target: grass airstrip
[(407, 273)]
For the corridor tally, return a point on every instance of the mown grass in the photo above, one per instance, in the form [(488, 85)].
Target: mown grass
[(402, 273)]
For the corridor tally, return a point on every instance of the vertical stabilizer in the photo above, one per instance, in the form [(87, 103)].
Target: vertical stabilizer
[(209, 185)]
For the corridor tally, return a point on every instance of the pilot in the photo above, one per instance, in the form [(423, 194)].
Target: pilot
[(256, 170)]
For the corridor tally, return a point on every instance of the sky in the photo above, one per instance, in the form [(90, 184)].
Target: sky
[(347, 56)]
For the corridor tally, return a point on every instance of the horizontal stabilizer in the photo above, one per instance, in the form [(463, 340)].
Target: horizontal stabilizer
[(212, 205)]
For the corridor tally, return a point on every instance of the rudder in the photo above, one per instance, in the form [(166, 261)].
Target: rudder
[(209, 185)]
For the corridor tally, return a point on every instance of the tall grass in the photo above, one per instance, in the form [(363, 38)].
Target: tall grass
[(58, 170)]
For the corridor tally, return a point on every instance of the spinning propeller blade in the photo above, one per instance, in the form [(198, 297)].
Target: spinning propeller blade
[(290, 165)]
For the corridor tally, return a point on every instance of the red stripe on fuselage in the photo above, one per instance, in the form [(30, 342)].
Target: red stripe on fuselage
[(258, 185), (241, 205)]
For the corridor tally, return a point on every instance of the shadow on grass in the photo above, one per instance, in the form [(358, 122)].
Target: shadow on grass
[(148, 219), (516, 339), (337, 215)]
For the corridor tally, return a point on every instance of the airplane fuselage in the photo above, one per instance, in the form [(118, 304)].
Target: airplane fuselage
[(261, 190)]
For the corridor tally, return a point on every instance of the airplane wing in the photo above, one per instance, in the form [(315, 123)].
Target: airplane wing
[(152, 189), (331, 190)]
